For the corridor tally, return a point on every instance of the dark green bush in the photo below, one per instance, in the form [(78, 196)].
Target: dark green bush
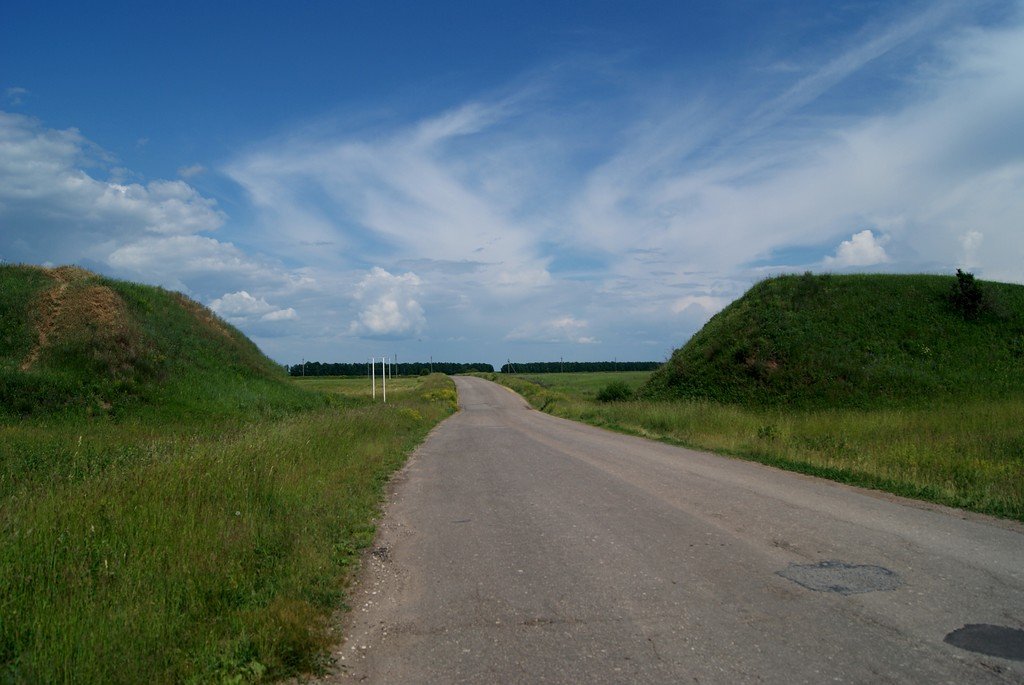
[(967, 295), (616, 391)]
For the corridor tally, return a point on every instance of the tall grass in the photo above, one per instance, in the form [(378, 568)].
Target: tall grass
[(152, 550), (968, 455)]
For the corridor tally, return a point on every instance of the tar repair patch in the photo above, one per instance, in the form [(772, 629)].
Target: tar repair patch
[(841, 578), (984, 638)]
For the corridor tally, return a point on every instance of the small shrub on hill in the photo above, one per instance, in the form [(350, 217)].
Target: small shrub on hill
[(616, 391), (967, 296)]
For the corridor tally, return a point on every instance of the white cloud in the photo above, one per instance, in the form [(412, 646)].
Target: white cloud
[(52, 208), (862, 249), (400, 196), (288, 314), (174, 261), (970, 242), (191, 170), (558, 330), (641, 217), (647, 220), (706, 304), (240, 304), (945, 158), (241, 308), (388, 306)]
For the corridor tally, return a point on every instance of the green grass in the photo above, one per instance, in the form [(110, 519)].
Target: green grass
[(864, 341), (586, 385), (963, 454), (173, 507), (157, 550)]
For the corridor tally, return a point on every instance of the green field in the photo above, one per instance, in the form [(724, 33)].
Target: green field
[(965, 454), (166, 549), (586, 385)]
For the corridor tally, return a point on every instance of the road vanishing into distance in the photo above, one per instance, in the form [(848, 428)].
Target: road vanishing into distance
[(522, 548)]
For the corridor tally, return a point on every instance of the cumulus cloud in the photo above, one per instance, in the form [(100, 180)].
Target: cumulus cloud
[(54, 208), (241, 307), (193, 263), (862, 249), (50, 205), (388, 306)]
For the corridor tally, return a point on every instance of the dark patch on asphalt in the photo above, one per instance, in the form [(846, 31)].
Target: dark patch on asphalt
[(382, 553), (985, 638), (462, 521), (841, 578)]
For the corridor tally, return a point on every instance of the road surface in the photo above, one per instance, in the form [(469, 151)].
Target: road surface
[(522, 548)]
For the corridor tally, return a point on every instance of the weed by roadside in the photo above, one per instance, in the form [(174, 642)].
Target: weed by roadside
[(150, 551)]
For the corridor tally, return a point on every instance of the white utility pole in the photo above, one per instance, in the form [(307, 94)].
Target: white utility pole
[(384, 378), (373, 375)]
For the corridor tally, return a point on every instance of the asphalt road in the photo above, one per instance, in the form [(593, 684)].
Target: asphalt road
[(522, 548)]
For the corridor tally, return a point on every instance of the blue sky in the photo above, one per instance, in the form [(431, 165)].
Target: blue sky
[(479, 181)]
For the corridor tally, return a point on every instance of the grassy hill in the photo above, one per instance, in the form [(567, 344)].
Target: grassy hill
[(853, 341), (174, 508), (75, 342)]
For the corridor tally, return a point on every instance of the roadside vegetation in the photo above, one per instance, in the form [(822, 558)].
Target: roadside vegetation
[(183, 512), (909, 384), (968, 455)]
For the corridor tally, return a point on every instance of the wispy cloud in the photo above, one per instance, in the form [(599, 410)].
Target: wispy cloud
[(563, 329), (865, 48), (528, 216), (675, 207), (191, 170), (16, 95)]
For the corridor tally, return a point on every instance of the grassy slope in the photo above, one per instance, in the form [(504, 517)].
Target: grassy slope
[(173, 508), (112, 347), (851, 341)]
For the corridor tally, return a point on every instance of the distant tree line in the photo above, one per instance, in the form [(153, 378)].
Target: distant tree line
[(403, 369), (577, 367)]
